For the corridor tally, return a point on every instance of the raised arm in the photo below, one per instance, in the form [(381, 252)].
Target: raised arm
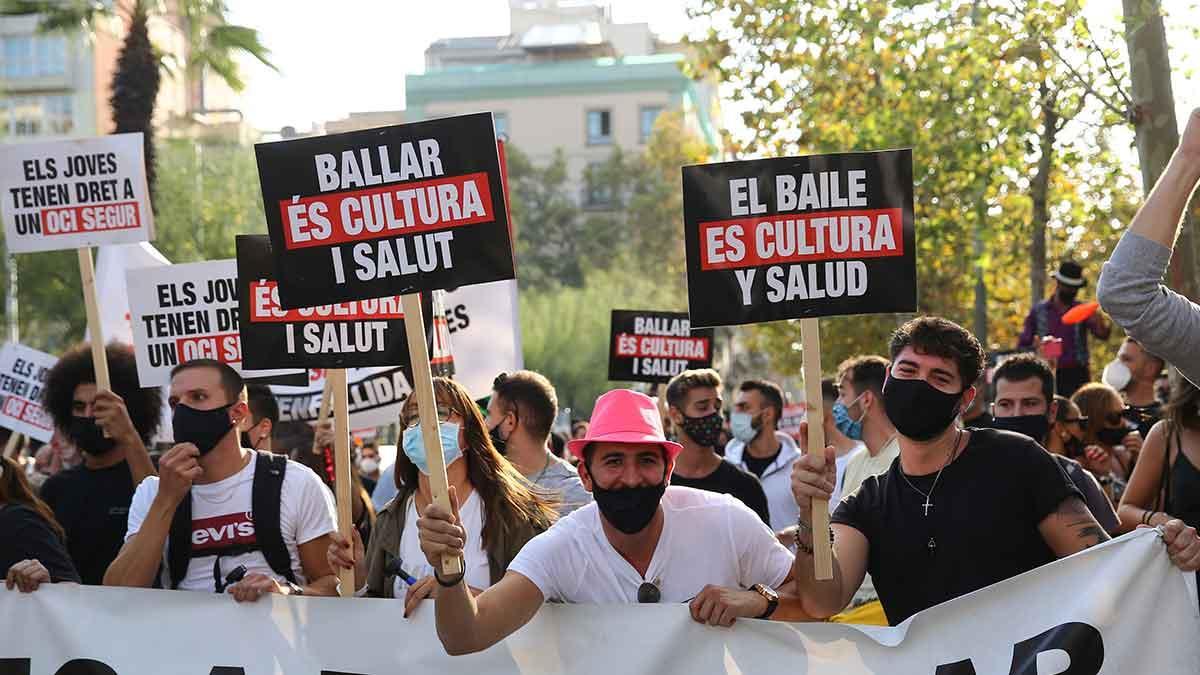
[(113, 417), (467, 624)]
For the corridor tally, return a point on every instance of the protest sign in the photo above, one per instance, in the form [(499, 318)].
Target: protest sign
[(374, 397), (648, 346), (22, 376), (1118, 608), (485, 333), (341, 335), (75, 194), (184, 312), (800, 237), (793, 415), (400, 209)]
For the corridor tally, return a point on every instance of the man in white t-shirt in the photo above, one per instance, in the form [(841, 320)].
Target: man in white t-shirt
[(639, 541), (218, 511)]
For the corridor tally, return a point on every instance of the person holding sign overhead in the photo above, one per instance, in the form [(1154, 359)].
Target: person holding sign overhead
[(959, 509), (110, 429), (222, 518), (499, 507), (640, 541)]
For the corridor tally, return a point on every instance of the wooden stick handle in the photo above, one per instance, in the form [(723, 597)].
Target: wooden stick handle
[(326, 401), (87, 274), (810, 341), (14, 440), (418, 352), (335, 384)]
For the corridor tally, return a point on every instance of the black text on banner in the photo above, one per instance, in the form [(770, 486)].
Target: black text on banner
[(800, 237), (393, 210)]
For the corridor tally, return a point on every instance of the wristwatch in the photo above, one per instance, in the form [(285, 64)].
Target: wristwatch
[(772, 600), (294, 589)]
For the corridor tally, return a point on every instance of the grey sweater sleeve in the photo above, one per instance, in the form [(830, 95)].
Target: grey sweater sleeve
[(1131, 291)]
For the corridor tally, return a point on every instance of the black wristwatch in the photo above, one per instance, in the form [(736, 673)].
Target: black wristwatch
[(295, 589), (772, 600)]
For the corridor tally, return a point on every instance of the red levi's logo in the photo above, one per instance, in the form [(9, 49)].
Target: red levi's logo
[(234, 529)]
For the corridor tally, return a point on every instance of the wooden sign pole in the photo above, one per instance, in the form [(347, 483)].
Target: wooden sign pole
[(14, 441), (810, 340), (418, 352), (87, 274), (323, 413), (335, 386)]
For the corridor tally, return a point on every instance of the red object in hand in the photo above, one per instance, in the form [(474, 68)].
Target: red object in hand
[(1052, 348), (1080, 313)]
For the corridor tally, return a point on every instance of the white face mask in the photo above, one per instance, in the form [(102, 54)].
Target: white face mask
[(368, 465), (1116, 375)]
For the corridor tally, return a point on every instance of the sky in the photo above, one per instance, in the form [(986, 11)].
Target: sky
[(352, 55)]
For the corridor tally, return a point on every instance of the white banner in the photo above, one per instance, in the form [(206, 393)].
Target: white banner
[(22, 376), (71, 194), (1118, 609), (485, 333), (375, 396), (183, 312)]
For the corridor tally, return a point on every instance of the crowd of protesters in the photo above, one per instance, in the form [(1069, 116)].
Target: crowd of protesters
[(947, 470)]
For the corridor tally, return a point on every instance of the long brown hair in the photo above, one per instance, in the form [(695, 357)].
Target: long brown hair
[(1094, 401), (508, 498), (1183, 406), (15, 489)]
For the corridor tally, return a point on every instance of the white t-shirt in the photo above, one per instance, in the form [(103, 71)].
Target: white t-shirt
[(478, 574), (841, 462), (707, 538), (221, 516)]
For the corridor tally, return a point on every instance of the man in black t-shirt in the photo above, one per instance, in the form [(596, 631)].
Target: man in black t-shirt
[(694, 406), (959, 509), (91, 501)]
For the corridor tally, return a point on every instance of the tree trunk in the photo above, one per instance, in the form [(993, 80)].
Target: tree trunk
[(135, 87), (981, 295), (1040, 192), (1157, 133)]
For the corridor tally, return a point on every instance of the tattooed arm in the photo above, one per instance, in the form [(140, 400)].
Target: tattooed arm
[(1071, 528)]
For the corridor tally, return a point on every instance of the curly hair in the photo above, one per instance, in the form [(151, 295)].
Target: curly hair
[(74, 367), (936, 336)]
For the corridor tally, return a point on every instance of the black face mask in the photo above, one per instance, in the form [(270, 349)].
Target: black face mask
[(1112, 436), (917, 409), (500, 444), (704, 430), (1033, 426), (202, 428), (1073, 447), (629, 510), (1067, 296), (89, 437)]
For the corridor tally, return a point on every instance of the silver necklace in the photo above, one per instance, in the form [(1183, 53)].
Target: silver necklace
[(932, 545)]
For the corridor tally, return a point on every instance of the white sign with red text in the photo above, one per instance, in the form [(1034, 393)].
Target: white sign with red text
[(22, 376)]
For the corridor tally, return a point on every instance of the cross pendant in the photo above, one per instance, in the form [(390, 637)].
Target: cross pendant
[(928, 505), (932, 545)]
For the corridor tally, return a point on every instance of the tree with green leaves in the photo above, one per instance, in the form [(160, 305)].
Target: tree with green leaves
[(212, 45)]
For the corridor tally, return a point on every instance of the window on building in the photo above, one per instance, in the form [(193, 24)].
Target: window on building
[(599, 127), (648, 114), (501, 121), (48, 115), (30, 56), (597, 190)]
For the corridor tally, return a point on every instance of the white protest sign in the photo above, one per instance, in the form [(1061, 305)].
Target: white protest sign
[(75, 194), (184, 312), (485, 333), (22, 376), (374, 395), (1117, 609)]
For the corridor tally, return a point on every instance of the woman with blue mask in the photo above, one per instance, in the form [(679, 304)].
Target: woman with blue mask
[(493, 496)]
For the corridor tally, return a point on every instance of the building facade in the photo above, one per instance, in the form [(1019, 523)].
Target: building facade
[(566, 78)]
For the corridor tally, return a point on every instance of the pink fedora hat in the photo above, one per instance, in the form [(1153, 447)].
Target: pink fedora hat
[(625, 416)]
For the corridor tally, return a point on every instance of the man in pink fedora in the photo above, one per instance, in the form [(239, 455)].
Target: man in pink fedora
[(640, 541)]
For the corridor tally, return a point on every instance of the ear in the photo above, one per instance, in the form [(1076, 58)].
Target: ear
[(968, 398), (584, 476), (675, 415), (1053, 412), (239, 414)]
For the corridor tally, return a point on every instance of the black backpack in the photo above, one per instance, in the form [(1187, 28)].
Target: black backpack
[(264, 504)]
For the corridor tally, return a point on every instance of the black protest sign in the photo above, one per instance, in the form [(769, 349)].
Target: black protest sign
[(800, 237), (351, 334), (394, 210), (650, 346)]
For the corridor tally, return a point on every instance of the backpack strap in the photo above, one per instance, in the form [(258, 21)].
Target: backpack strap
[(179, 541), (265, 499)]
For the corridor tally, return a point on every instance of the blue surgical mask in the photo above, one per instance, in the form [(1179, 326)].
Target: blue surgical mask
[(414, 445), (741, 425), (850, 428)]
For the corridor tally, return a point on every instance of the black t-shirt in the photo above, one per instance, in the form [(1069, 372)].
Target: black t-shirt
[(25, 535), (758, 465), (984, 519), (93, 508), (730, 480)]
